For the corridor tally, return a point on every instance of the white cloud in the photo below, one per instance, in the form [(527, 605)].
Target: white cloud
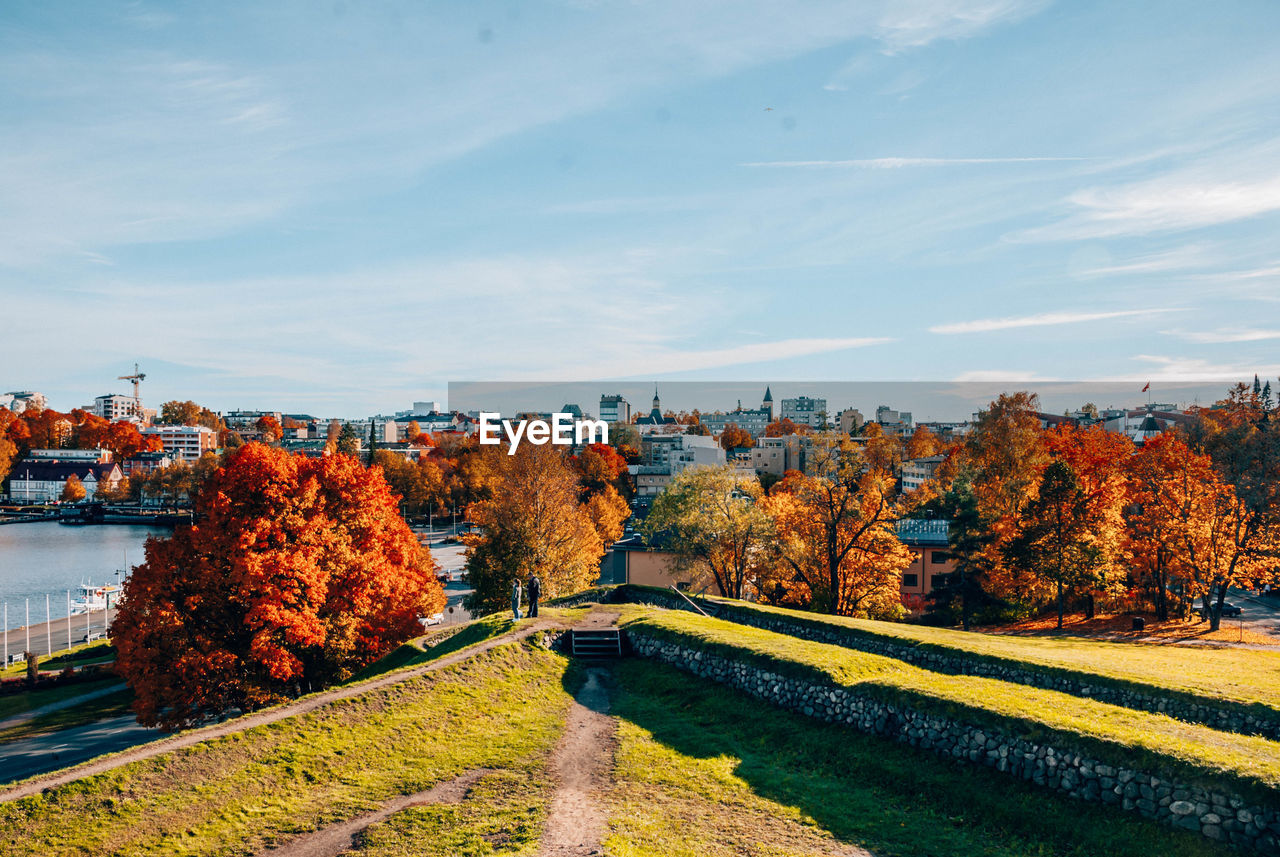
[(1224, 335), (1045, 319), (913, 23)]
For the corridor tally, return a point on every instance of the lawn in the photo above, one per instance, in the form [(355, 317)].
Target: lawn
[(1237, 675), (503, 709), (704, 771), (1120, 735), (77, 656)]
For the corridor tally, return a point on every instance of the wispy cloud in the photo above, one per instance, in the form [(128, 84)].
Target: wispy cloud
[(1213, 192), (1180, 259), (898, 163), (1180, 368), (1044, 319), (664, 360), (914, 23), (1224, 335)]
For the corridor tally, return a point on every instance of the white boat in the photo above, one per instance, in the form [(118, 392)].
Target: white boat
[(95, 597)]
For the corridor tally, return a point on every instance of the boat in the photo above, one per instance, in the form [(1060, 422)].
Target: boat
[(95, 597)]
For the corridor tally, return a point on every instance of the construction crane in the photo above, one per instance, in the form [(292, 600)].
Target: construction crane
[(137, 378)]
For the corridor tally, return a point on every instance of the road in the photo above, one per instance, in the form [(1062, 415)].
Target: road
[(1260, 614), (15, 641), (451, 559), (42, 753)]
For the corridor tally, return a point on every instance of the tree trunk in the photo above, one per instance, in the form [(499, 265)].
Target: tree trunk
[(1060, 605), (1215, 620)]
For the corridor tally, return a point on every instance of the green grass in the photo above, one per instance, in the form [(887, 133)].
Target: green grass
[(109, 705), (20, 703), (77, 656), (1235, 675), (704, 771), (1118, 735), (241, 794)]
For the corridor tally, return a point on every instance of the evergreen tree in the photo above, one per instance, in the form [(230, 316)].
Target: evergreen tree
[(348, 443), (373, 442)]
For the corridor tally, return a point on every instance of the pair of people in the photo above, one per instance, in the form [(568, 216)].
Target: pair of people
[(534, 590)]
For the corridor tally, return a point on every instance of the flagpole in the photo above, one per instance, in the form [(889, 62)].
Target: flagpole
[(68, 618), (48, 626)]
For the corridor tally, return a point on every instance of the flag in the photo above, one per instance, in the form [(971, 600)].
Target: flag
[(1148, 387)]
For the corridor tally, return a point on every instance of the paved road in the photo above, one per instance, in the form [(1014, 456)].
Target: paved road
[(43, 753), (451, 559), (17, 639), (1258, 614)]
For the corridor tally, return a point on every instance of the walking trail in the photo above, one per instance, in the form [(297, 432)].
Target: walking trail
[(239, 724), (582, 765), (340, 838)]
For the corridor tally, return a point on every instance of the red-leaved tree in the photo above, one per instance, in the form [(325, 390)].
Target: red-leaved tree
[(298, 573)]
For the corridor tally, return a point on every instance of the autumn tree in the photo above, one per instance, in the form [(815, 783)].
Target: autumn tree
[(1152, 519), (734, 437), (1004, 456), (1099, 459), (712, 520), (297, 574), (923, 443), (270, 428), (1056, 540), (783, 427), (8, 453), (836, 528), (175, 413), (73, 490), (532, 522)]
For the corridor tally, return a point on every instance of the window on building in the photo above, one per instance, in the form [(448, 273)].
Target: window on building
[(910, 580), (938, 580), (939, 557)]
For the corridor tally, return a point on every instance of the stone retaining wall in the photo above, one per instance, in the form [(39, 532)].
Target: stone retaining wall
[(1217, 715), (1215, 812)]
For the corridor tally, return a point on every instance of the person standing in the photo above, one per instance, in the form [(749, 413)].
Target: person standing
[(534, 589), (515, 599)]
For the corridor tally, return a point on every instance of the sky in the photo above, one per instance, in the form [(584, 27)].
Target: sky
[(340, 208)]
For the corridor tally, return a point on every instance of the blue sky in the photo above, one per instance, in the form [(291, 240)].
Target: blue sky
[(339, 208)]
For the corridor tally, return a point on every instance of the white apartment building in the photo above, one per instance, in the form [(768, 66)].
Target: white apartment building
[(185, 443), (115, 406)]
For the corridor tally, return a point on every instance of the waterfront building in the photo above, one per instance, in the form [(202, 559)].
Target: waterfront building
[(40, 479)]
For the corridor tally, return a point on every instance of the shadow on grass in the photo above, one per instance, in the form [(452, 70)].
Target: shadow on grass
[(864, 790)]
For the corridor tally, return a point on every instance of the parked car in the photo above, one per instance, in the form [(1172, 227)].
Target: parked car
[(433, 619), (1229, 609)]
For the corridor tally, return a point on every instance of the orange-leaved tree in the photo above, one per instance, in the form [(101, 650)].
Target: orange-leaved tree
[(837, 531), (298, 573), (734, 437)]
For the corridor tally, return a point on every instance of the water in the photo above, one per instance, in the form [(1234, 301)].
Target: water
[(48, 558)]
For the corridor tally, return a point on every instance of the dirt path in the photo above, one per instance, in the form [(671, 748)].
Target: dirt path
[(581, 766), (195, 736), (339, 838)]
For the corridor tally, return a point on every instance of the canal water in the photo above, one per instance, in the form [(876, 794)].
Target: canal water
[(48, 558)]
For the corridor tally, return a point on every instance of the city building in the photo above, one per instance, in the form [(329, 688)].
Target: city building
[(893, 422), (42, 475), (114, 406), (665, 456), (185, 443), (145, 462), (931, 564), (751, 420), (654, 419), (777, 455), (917, 471), (804, 410), (850, 420), (239, 420), (19, 400), (615, 409)]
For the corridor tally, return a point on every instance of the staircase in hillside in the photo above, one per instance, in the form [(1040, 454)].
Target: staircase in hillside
[(596, 643)]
